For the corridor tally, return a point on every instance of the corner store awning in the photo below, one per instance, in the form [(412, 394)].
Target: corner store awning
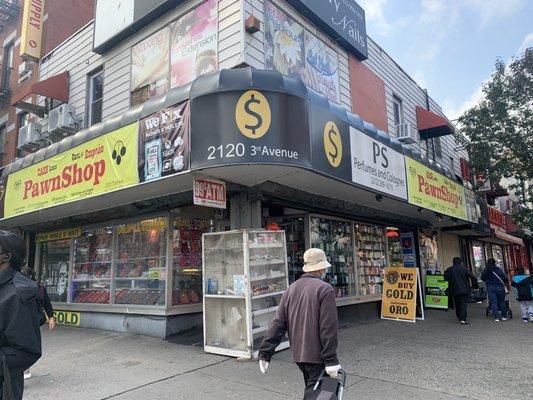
[(431, 125), (299, 116)]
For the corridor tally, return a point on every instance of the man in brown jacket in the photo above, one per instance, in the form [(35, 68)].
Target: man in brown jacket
[(308, 313)]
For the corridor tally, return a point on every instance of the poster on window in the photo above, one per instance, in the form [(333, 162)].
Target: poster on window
[(284, 42), (164, 143), (149, 67), (194, 39), (321, 70)]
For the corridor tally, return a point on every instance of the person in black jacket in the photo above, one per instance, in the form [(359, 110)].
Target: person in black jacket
[(20, 337), (497, 284), (460, 281), (46, 311)]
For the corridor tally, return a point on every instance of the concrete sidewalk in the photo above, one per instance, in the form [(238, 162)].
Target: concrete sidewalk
[(435, 359)]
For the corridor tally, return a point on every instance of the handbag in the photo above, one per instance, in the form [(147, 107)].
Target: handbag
[(500, 279), (7, 386)]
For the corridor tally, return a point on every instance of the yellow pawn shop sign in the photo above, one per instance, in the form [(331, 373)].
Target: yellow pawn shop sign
[(400, 289)]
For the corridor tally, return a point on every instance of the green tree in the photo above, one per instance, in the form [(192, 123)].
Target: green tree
[(500, 131)]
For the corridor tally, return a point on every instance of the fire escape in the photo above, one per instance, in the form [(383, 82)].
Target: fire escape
[(9, 10)]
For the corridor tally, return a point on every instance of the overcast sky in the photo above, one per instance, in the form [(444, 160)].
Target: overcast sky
[(449, 46)]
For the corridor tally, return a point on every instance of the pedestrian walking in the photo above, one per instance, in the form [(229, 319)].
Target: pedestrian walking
[(308, 313), (497, 282), (524, 293), (46, 311), (20, 337), (460, 283)]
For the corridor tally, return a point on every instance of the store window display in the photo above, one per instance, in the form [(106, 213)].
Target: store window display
[(479, 259), (91, 271), (429, 251), (394, 247), (187, 259), (497, 254), (55, 257), (371, 257), (140, 269), (336, 239)]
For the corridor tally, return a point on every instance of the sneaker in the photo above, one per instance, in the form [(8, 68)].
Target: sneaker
[(505, 318), (27, 375), (497, 320), (464, 323), (525, 320)]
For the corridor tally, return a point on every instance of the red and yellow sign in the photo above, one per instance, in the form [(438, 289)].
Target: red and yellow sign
[(431, 190), (32, 29), (99, 166), (399, 294)]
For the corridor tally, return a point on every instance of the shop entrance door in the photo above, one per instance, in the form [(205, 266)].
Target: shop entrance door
[(54, 267)]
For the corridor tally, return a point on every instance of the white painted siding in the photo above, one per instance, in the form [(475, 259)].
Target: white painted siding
[(74, 55), (255, 54)]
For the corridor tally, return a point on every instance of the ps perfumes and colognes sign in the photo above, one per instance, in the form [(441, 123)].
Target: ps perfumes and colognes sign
[(342, 20)]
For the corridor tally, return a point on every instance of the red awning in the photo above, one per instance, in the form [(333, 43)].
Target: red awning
[(431, 125), (55, 87)]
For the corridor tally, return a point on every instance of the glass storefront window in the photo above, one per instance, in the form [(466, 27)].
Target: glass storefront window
[(335, 238), (91, 272), (140, 269), (497, 254), (394, 247), (429, 255), (55, 258), (370, 245), (187, 259), (479, 261)]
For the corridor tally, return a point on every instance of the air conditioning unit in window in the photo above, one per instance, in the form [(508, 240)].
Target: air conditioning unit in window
[(30, 137), (24, 67), (406, 133), (62, 122)]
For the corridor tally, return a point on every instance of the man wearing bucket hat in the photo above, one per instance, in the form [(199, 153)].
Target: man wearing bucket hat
[(308, 313)]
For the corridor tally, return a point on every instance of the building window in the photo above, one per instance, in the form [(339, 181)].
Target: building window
[(3, 132), (23, 119), (452, 165), (437, 147), (8, 64), (94, 112), (397, 110)]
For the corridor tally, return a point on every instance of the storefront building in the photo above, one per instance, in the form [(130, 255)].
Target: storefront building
[(110, 212)]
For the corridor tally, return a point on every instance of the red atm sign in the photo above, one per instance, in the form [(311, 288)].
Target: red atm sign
[(209, 193)]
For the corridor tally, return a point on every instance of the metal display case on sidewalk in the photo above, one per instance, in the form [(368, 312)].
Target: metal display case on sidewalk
[(245, 274)]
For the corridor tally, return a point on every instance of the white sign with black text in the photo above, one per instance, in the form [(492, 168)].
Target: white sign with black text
[(377, 166)]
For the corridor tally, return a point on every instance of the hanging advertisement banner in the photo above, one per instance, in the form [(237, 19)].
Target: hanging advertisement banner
[(194, 44), (32, 30), (321, 70), (431, 190), (149, 67), (209, 193), (164, 143), (284, 42), (473, 213), (408, 249), (399, 294), (377, 166), (99, 166)]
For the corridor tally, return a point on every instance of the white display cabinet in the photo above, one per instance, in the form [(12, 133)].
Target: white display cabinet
[(244, 276)]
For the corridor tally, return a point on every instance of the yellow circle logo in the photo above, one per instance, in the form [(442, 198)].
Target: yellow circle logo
[(333, 144), (252, 114)]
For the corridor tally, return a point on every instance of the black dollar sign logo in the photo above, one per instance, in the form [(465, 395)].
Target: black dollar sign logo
[(251, 112), (331, 134)]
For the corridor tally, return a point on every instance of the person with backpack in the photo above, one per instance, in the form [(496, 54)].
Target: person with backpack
[(46, 311), (497, 282), (524, 293), (20, 336)]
